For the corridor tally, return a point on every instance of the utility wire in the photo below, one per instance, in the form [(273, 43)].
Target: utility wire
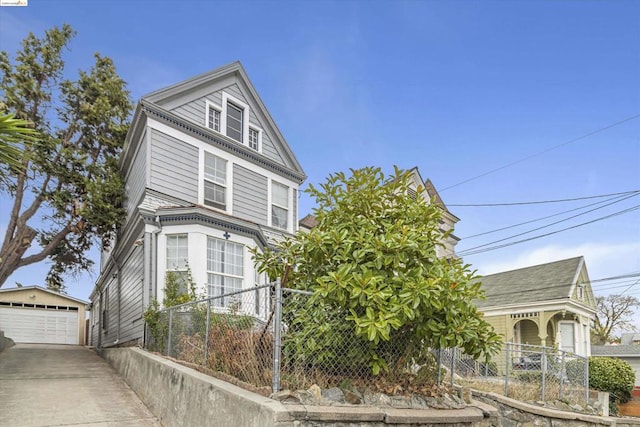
[(522, 291), (630, 286), (471, 252), (550, 224), (571, 141), (540, 202), (539, 219)]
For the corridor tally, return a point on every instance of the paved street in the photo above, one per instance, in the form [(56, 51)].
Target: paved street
[(61, 385)]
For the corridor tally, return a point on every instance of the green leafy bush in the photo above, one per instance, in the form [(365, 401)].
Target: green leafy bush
[(613, 375), (381, 294)]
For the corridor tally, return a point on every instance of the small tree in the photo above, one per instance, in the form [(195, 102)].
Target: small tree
[(379, 288), (176, 292), (614, 312)]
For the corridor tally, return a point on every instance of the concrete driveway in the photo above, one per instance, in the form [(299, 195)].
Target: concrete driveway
[(61, 385)]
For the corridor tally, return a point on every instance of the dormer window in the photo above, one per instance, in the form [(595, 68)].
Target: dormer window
[(234, 122)]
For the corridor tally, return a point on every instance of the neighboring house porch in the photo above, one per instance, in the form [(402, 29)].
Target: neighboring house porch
[(548, 305)]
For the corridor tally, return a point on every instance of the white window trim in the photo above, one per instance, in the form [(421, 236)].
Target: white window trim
[(226, 98), (289, 207), (229, 185), (257, 129), (206, 116)]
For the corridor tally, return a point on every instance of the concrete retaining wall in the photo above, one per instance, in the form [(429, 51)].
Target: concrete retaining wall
[(180, 396)]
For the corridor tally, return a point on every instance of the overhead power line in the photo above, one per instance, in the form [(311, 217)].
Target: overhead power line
[(539, 219), (521, 291), (492, 248), (540, 202), (550, 224), (571, 141)]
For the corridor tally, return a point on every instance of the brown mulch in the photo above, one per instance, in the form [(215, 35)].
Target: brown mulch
[(631, 408)]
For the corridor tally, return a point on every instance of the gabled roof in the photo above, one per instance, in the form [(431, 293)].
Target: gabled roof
[(167, 94), (308, 221), (544, 282), (41, 289)]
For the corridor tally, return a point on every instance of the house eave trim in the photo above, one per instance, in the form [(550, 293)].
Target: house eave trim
[(220, 141), (176, 216)]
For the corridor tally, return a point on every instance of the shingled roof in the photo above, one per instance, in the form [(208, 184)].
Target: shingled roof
[(544, 282), (616, 350)]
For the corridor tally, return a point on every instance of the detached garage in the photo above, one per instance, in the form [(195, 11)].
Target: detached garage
[(33, 314)]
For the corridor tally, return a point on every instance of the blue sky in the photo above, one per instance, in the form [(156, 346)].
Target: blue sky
[(456, 88)]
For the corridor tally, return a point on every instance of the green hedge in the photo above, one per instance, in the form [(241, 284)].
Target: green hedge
[(613, 375)]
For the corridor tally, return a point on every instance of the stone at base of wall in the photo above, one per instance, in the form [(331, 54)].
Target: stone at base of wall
[(513, 413), (5, 342), (180, 396)]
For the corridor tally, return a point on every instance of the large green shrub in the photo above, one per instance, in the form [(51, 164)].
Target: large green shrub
[(381, 295), (613, 375)]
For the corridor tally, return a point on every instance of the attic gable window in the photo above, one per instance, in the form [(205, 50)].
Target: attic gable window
[(213, 117), (254, 139), (234, 121)]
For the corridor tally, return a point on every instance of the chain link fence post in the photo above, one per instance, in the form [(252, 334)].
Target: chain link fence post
[(206, 333), (543, 367), (277, 322), (586, 380), (562, 375), (439, 367), (453, 365), (506, 370), (169, 332)]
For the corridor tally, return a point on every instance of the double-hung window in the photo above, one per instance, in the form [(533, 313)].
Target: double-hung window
[(215, 181), (234, 122), (177, 259), (225, 270), (279, 205)]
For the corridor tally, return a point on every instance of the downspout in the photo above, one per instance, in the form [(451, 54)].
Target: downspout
[(119, 302), (154, 258)]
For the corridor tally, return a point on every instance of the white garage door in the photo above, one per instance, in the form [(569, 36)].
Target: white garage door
[(35, 325)]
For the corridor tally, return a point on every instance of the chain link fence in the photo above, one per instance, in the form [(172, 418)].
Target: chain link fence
[(287, 339), (523, 372)]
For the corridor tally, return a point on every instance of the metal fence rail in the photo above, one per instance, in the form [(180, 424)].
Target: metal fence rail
[(266, 336)]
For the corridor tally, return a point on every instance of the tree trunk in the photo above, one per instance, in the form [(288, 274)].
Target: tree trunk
[(12, 254)]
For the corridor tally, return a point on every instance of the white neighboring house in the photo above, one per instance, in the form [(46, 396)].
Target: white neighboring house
[(208, 175)]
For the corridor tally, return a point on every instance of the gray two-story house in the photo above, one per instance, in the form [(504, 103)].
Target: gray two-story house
[(208, 176)]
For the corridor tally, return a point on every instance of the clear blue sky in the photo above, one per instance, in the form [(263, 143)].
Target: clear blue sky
[(456, 88)]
